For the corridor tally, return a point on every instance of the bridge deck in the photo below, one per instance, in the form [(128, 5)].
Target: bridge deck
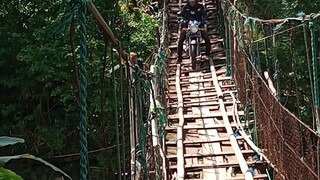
[(199, 139)]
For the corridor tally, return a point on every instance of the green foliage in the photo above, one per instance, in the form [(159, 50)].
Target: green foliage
[(5, 141), (5, 159), (53, 138), (143, 33), (38, 74), (6, 174), (294, 80), (267, 9)]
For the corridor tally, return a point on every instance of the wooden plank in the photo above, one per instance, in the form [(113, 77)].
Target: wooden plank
[(194, 82), (203, 80), (199, 69), (212, 91), (212, 41), (212, 154), (208, 148), (180, 138), (211, 115), (215, 81), (195, 104), (203, 141), (248, 140), (198, 126), (207, 99), (193, 76), (204, 88), (198, 104), (196, 96), (217, 165), (241, 177), (242, 162)]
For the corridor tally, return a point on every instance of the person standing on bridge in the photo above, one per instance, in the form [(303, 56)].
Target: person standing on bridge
[(193, 11)]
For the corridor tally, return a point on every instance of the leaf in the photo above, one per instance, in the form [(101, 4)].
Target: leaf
[(5, 159), (5, 141), (6, 174)]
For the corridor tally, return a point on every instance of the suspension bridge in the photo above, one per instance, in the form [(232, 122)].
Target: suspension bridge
[(227, 118)]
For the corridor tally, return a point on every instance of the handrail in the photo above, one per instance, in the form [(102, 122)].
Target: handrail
[(106, 30)]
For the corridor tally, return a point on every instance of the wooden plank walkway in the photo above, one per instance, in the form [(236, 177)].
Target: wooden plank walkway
[(201, 137)]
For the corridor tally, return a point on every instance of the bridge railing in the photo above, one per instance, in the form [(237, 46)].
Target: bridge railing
[(146, 108), (158, 71), (260, 52), (140, 115)]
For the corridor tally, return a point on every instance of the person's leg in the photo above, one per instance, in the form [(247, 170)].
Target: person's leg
[(182, 37), (206, 38)]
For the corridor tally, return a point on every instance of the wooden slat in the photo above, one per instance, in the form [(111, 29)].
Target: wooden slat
[(242, 163), (196, 96), (199, 69), (203, 103), (241, 177), (218, 165), (203, 141), (194, 157), (202, 80), (212, 41), (196, 82), (211, 155), (212, 91), (194, 76), (211, 115), (198, 126), (204, 88)]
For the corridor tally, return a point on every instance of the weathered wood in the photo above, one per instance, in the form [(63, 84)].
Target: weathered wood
[(180, 138), (202, 141), (239, 177), (247, 139), (194, 111), (217, 40), (203, 80), (197, 96), (189, 71), (204, 131), (199, 104), (218, 165), (204, 88), (212, 148), (211, 154), (198, 126), (211, 115), (243, 166)]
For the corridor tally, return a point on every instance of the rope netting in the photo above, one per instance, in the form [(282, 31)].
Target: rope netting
[(285, 116), (147, 112), (139, 99)]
